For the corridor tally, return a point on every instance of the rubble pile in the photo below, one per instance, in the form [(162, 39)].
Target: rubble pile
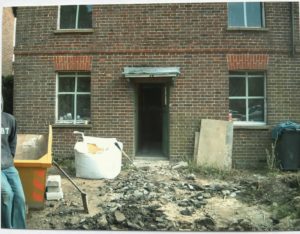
[(169, 198), (136, 203)]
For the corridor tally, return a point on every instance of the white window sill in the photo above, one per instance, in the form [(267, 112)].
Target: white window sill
[(71, 125), (247, 29), (65, 31), (249, 125)]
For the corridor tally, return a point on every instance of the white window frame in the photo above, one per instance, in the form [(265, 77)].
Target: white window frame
[(14, 37), (245, 17), (76, 23), (75, 93), (247, 98)]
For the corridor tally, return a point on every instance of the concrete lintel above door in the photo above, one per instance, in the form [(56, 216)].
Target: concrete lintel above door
[(137, 73)]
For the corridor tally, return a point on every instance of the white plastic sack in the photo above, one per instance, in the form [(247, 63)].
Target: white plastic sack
[(104, 163)]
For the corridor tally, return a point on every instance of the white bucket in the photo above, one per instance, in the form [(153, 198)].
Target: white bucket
[(97, 158)]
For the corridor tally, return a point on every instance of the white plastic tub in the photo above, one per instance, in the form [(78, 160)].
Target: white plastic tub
[(97, 158)]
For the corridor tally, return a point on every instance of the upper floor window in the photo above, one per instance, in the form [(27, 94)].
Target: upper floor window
[(247, 99), (245, 15), (73, 97), (75, 17)]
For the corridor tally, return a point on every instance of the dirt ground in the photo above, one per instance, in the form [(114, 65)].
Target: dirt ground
[(158, 195)]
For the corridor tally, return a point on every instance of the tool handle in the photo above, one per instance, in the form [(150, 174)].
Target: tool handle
[(116, 143), (123, 152), (69, 178)]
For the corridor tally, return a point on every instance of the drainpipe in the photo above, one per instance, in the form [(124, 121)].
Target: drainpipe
[(292, 52)]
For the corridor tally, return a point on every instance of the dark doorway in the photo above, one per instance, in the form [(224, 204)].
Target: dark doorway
[(150, 120)]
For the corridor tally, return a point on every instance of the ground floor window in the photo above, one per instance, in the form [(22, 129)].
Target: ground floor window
[(73, 97), (247, 99)]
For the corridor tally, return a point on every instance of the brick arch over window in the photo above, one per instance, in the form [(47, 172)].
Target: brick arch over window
[(247, 62), (72, 63)]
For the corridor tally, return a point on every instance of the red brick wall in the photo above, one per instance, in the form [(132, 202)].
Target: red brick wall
[(72, 63), (258, 62), (193, 37)]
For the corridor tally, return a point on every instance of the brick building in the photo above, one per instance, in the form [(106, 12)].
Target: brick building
[(148, 74)]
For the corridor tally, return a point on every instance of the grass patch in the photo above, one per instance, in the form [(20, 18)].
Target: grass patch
[(283, 210), (271, 158), (209, 171)]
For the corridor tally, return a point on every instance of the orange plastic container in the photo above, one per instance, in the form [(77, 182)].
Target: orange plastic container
[(33, 157)]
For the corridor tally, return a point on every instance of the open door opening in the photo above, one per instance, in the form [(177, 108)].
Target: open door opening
[(151, 120)]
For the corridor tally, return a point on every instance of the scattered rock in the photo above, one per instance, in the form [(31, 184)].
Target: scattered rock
[(137, 194), (175, 178), (197, 203), (207, 222), (187, 211), (183, 203), (102, 221), (184, 225), (225, 192), (133, 225), (190, 177), (180, 165), (120, 217), (159, 219), (206, 195), (242, 225)]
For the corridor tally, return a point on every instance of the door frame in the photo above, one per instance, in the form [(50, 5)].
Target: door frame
[(166, 116)]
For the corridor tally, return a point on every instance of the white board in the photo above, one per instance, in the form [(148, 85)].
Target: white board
[(215, 144)]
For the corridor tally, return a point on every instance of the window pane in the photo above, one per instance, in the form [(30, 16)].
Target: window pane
[(83, 84), (68, 17), (67, 74), (87, 73), (85, 17), (83, 107), (238, 109), (236, 14), (256, 86), (65, 107), (255, 73), (66, 84), (237, 86), (254, 16), (237, 73), (256, 110)]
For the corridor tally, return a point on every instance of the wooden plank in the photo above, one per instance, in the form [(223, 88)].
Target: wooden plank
[(196, 146), (215, 144)]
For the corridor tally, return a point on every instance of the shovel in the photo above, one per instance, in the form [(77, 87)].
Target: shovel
[(123, 152), (83, 194)]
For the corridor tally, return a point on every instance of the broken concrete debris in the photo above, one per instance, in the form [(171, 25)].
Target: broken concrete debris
[(149, 199), (137, 203), (119, 216), (180, 165)]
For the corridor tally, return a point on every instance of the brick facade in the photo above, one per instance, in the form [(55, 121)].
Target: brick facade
[(193, 37)]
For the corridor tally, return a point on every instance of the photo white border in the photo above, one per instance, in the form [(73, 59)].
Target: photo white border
[(20, 3)]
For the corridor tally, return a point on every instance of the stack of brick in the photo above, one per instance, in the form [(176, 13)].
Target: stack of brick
[(54, 190)]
